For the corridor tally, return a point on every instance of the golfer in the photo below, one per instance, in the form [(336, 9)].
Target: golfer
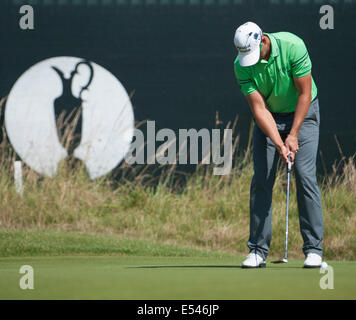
[(273, 71)]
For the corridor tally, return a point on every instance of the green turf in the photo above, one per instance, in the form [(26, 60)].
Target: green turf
[(44, 243), (134, 277), (82, 266)]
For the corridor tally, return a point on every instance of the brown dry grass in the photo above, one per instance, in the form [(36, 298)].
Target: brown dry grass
[(206, 211)]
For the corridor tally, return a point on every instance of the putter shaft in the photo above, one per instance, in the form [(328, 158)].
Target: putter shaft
[(289, 168)]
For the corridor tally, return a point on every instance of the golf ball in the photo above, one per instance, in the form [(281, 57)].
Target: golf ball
[(324, 265)]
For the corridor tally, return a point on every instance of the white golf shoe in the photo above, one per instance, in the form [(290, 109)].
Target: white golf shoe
[(313, 260), (254, 260)]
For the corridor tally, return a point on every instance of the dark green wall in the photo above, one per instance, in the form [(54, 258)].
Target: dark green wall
[(177, 56)]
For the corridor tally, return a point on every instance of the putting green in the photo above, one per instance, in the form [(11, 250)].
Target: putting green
[(132, 277)]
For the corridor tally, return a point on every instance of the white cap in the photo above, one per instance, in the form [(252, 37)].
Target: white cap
[(247, 41)]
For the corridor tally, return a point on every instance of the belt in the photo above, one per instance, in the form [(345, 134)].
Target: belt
[(289, 113), (282, 114)]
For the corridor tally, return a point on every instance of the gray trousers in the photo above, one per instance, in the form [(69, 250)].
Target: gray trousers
[(265, 157)]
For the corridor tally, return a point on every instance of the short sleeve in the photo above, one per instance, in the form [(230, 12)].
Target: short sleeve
[(300, 60), (246, 83)]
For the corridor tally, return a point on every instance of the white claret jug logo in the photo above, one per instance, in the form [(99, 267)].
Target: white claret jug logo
[(64, 93)]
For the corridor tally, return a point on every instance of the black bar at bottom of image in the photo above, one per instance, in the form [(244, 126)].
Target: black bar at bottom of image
[(175, 309)]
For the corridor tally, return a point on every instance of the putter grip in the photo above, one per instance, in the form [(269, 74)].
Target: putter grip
[(289, 163)]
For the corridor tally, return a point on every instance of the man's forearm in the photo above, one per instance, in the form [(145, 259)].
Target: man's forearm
[(268, 125), (266, 122), (301, 110)]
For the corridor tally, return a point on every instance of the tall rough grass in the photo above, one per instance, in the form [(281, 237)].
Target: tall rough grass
[(198, 210)]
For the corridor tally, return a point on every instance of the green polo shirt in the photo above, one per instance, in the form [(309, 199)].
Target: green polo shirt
[(274, 78)]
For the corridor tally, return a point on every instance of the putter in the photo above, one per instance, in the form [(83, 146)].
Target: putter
[(289, 169)]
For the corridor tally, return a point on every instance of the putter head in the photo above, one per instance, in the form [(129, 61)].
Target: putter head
[(284, 260)]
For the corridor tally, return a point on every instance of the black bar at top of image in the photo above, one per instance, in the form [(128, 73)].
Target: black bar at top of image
[(78, 3)]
